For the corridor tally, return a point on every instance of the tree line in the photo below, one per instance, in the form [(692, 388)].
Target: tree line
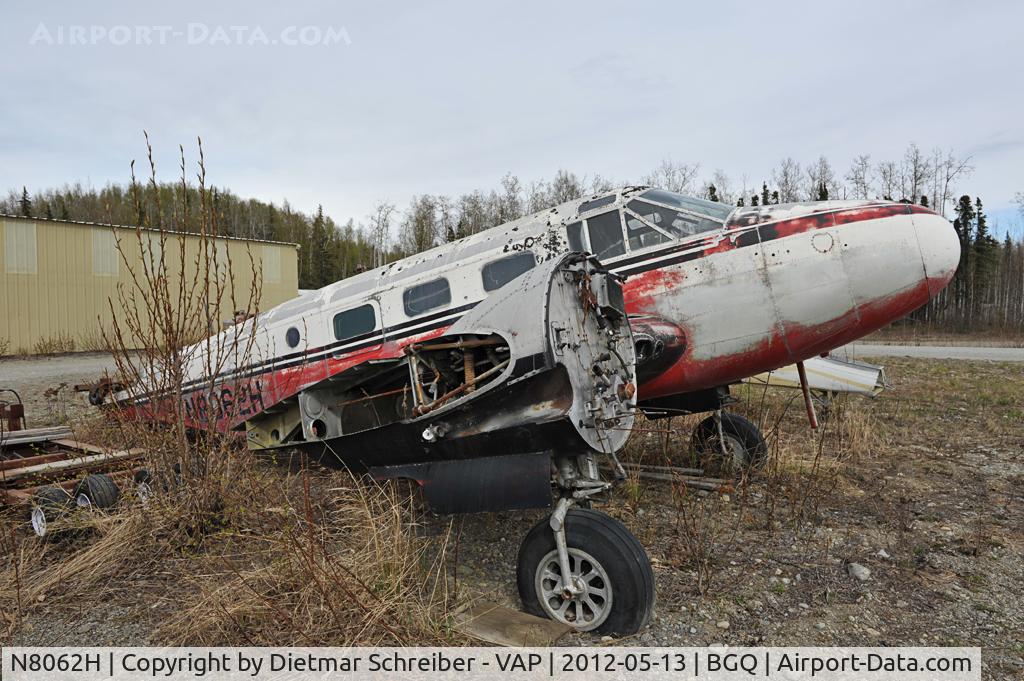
[(987, 293)]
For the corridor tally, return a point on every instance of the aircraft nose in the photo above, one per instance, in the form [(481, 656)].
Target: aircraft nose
[(940, 248)]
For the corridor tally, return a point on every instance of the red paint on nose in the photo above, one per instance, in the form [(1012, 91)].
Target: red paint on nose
[(777, 349), (641, 291)]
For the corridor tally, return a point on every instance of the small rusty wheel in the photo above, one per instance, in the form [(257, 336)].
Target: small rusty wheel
[(741, 448), (48, 504)]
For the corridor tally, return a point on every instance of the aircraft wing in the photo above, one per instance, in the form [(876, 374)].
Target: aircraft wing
[(828, 374)]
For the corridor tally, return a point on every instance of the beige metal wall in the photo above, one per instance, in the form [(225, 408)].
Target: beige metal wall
[(57, 278)]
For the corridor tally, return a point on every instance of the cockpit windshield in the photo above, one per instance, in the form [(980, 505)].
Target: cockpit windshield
[(675, 223), (712, 209), (665, 215)]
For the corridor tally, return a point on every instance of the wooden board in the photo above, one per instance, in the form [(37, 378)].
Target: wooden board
[(12, 438), (67, 465), (11, 464), (503, 626)]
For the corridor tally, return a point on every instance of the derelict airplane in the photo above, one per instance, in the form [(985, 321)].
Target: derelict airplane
[(486, 368)]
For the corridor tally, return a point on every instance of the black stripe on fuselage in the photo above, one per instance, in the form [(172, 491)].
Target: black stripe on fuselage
[(639, 264), (354, 344)]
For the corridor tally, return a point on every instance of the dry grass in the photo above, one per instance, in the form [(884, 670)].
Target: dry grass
[(54, 345), (93, 342), (282, 559), (348, 572)]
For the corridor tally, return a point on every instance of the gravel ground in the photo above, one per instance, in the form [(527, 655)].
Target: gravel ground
[(933, 515), (46, 384)]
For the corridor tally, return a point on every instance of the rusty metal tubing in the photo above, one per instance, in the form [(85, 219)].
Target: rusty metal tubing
[(808, 403), (420, 411), (420, 397), (469, 369), (457, 345), (670, 469), (386, 393), (701, 483)]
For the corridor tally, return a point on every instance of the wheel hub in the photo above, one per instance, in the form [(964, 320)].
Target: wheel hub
[(733, 452), (584, 605), (39, 521)]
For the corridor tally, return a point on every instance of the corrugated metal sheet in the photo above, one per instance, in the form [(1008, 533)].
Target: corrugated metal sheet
[(58, 277)]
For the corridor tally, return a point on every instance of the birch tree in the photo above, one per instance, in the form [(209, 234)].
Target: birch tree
[(787, 178), (859, 177), (675, 177)]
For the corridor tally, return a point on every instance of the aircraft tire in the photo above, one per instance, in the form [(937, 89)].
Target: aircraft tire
[(97, 490), (744, 440), (604, 555), (48, 504)]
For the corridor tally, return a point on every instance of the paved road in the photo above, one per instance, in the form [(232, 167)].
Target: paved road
[(47, 372), (932, 352)]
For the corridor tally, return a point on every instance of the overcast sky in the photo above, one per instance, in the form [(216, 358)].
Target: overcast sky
[(445, 97)]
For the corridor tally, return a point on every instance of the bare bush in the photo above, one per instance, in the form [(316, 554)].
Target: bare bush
[(258, 554)]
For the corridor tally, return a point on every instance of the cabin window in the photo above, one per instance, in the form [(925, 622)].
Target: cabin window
[(575, 233), (292, 337), (605, 232), (674, 222), (354, 322), (498, 273), (595, 203), (426, 297), (642, 235)]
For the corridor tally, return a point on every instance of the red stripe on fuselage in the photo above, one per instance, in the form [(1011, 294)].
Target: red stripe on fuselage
[(640, 292)]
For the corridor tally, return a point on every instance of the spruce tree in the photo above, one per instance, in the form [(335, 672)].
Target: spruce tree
[(765, 195), (985, 249), (25, 203), (963, 225), (320, 251)]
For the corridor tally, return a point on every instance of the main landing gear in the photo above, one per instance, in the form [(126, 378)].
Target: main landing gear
[(729, 443), (582, 567)]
